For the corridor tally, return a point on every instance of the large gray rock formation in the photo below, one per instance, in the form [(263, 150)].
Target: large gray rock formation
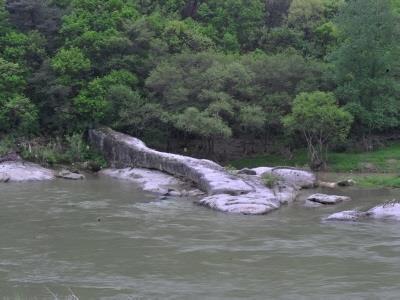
[(24, 171), (226, 192)]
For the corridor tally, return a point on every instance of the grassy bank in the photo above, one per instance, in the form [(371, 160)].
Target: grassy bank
[(384, 164), (384, 160)]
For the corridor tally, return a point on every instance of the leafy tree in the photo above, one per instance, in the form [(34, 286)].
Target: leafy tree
[(202, 124), (366, 64), (17, 114), (321, 122), (71, 64)]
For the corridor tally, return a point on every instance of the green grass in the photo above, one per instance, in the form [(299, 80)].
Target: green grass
[(385, 160), (372, 181)]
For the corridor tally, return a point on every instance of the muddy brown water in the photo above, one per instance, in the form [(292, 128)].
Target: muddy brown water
[(106, 239)]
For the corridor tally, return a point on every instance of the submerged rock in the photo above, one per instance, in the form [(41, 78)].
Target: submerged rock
[(390, 210), (70, 175), (347, 215), (24, 171), (327, 199)]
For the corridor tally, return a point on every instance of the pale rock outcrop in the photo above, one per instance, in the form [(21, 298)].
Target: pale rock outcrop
[(347, 215), (24, 171), (390, 210), (295, 177), (123, 151), (245, 194), (153, 181), (327, 199)]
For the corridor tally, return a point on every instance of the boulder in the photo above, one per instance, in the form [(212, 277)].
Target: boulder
[(4, 177), (65, 174), (295, 177), (24, 171), (389, 210), (327, 199)]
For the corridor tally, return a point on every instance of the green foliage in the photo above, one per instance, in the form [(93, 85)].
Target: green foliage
[(7, 145), (207, 70), (384, 160), (270, 180), (70, 64), (201, 123), (366, 63), (321, 122), (374, 181), (18, 115)]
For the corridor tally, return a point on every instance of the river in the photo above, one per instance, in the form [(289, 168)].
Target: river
[(105, 239)]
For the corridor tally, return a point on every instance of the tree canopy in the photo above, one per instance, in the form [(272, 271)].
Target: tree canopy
[(203, 70)]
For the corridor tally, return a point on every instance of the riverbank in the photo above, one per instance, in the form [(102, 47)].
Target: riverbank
[(379, 168)]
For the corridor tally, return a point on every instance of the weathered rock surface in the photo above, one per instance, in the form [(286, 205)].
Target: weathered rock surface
[(347, 215), (327, 199), (295, 177), (389, 210), (153, 181), (261, 201), (24, 171), (245, 194), (122, 151), (70, 175)]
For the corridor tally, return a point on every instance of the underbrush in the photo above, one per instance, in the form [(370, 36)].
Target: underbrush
[(70, 150)]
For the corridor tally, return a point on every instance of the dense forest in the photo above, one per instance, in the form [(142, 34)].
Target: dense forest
[(192, 75)]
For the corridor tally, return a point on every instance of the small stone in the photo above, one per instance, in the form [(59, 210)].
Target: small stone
[(69, 175), (327, 199)]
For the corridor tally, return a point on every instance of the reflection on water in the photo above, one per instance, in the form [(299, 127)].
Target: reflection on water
[(104, 239)]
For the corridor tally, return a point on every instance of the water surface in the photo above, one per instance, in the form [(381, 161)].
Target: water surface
[(105, 239)]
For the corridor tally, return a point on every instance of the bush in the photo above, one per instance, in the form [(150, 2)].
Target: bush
[(270, 180)]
